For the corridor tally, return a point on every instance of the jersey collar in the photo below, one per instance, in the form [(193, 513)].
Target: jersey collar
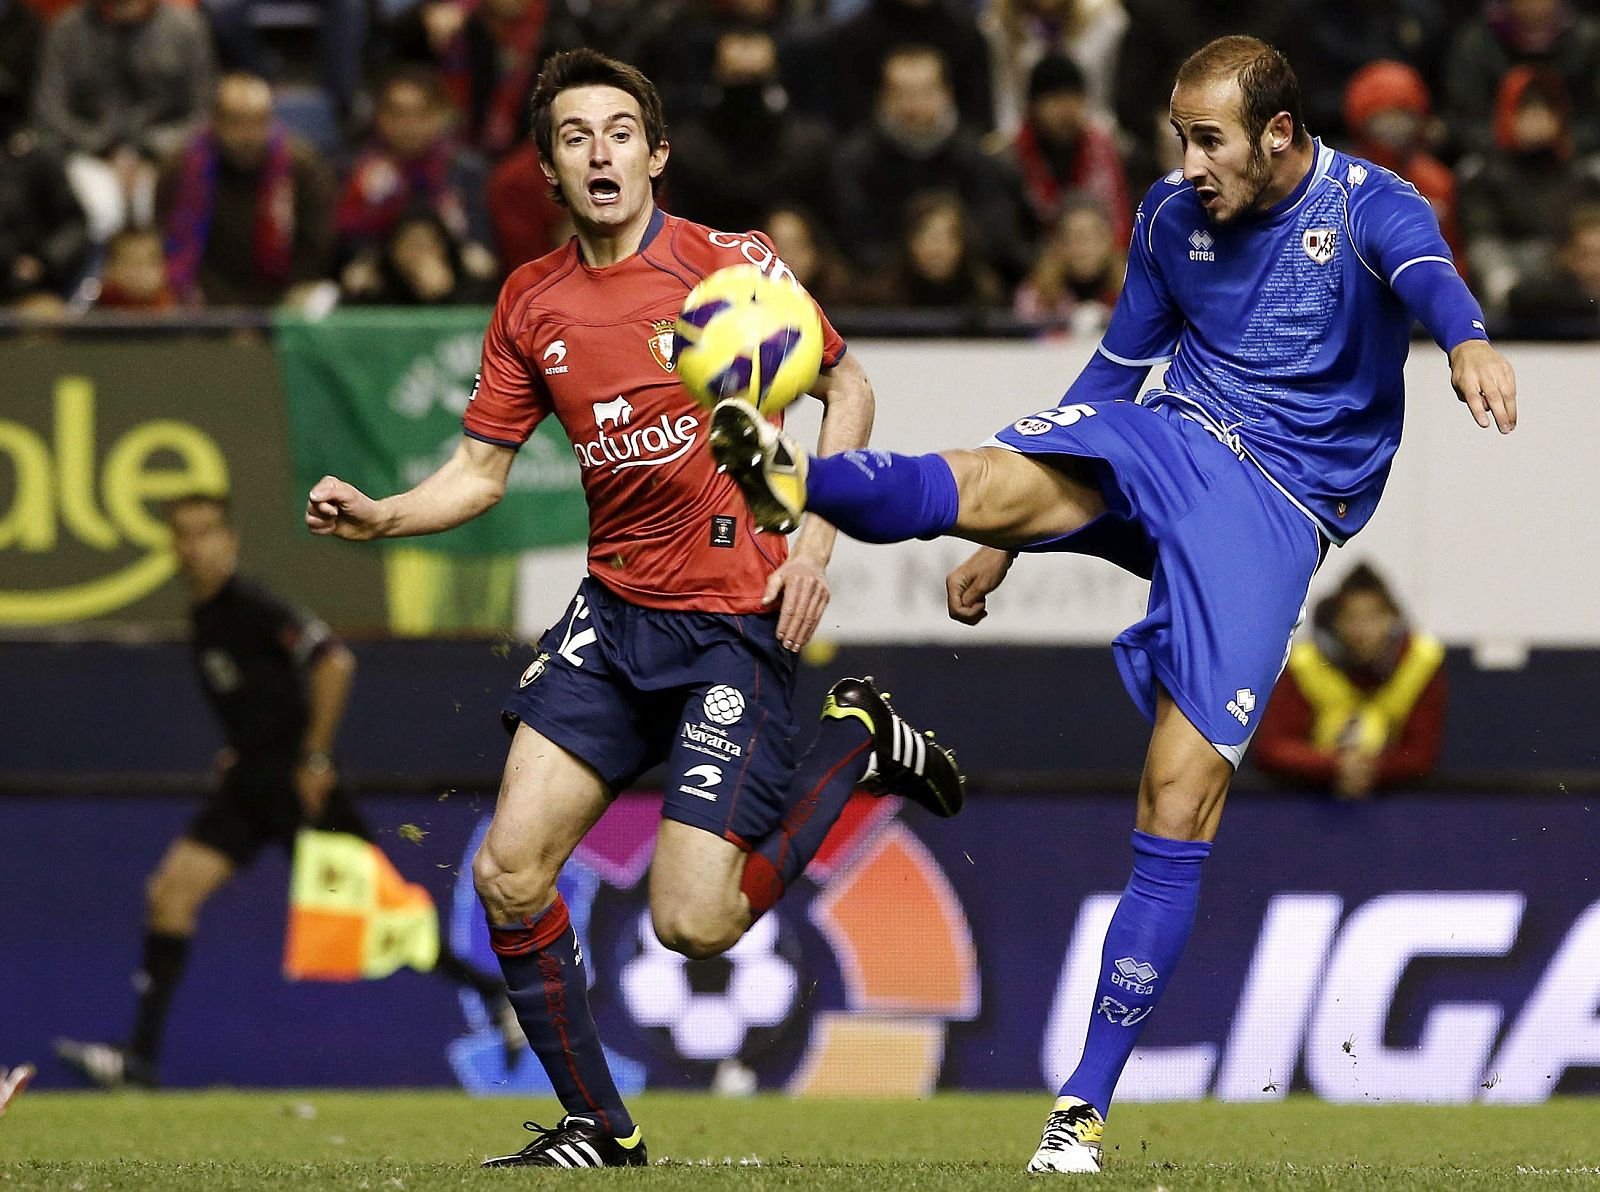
[(658, 220), (1319, 169)]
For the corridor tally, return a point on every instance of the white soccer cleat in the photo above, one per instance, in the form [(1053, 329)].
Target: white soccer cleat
[(1071, 1141), (12, 1082), (106, 1065)]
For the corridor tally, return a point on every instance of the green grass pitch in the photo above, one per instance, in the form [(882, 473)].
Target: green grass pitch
[(405, 1142)]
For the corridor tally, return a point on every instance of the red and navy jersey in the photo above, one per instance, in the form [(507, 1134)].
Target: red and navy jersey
[(594, 347)]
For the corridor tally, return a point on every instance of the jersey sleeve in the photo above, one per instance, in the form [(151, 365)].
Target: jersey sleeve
[(1397, 235), (833, 345), (509, 398), (1146, 321), (1144, 326)]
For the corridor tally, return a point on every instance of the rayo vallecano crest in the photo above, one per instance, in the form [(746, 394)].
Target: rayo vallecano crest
[(1319, 243), (661, 343)]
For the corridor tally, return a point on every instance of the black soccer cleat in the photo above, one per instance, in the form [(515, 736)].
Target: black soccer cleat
[(106, 1065), (768, 466), (576, 1142), (904, 762)]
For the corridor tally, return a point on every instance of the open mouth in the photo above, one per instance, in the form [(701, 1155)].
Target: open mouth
[(1206, 195), (604, 191)]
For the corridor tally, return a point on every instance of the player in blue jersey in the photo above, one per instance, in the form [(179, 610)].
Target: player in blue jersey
[(1278, 281)]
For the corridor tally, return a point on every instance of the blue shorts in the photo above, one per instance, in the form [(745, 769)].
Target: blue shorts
[(1229, 557), (624, 688)]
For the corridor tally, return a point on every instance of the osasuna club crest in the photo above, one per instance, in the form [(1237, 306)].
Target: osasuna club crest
[(535, 669), (661, 343), (1319, 243)]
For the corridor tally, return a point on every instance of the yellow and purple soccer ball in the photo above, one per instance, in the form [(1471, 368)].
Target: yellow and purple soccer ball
[(744, 334)]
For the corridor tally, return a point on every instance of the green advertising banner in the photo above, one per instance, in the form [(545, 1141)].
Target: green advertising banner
[(376, 397), (96, 434)]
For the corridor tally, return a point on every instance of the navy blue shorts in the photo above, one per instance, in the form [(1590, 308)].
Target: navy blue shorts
[(624, 687), (1228, 555)]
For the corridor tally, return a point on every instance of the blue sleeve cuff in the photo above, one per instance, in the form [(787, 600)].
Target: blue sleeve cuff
[(1437, 297), (1108, 378)]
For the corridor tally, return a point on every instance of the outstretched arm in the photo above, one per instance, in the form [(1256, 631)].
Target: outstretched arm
[(472, 481), (1397, 235), (846, 424), (1144, 327)]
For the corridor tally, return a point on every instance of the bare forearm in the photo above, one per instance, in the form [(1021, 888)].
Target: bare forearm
[(846, 425), (332, 674), (453, 495)]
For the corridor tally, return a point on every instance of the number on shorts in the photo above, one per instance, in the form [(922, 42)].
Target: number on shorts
[(572, 642), (1069, 415)]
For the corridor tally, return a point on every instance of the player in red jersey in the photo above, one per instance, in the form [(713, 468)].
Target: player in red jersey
[(671, 650)]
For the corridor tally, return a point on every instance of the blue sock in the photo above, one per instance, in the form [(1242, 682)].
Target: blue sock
[(549, 989), (874, 496), (1143, 943)]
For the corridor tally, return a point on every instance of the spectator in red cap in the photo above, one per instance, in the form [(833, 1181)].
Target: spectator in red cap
[(1516, 196), (1550, 34), (1389, 114)]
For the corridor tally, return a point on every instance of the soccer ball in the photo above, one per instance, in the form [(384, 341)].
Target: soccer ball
[(716, 1009), (744, 334)]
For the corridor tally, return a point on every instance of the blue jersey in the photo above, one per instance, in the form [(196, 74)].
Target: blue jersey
[(1284, 331)]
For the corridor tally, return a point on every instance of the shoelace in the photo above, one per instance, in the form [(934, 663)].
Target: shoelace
[(545, 1133), (1060, 1128)]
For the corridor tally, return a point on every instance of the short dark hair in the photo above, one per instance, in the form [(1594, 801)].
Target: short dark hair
[(427, 79), (1267, 83), (1361, 580), (1054, 73), (591, 68), (219, 501)]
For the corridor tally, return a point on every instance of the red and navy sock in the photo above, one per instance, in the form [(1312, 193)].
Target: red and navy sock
[(822, 786), (549, 988)]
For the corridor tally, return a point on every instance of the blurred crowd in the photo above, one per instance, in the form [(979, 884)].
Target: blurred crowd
[(945, 155)]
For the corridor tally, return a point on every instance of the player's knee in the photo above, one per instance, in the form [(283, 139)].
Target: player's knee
[(696, 935), (1179, 806), (975, 483), (1007, 499), (509, 894), (170, 906)]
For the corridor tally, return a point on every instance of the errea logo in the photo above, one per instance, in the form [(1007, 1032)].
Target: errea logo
[(1135, 975), (1242, 704), (1200, 243)]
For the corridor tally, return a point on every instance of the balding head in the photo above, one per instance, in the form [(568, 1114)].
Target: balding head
[(242, 118)]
